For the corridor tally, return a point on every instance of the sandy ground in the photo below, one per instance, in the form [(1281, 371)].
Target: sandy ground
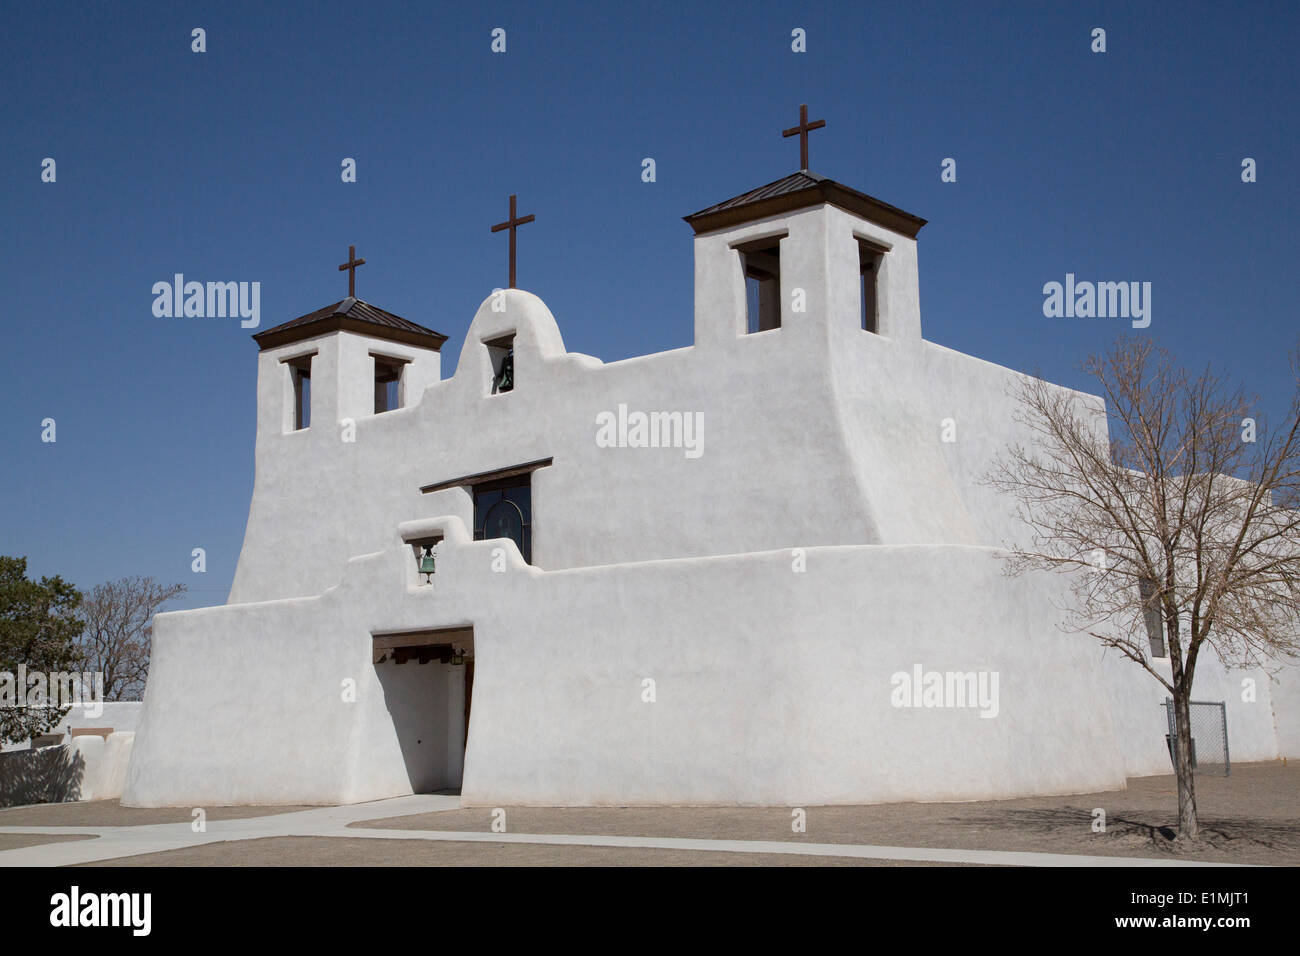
[(110, 813), (1252, 816), (333, 851), (15, 841)]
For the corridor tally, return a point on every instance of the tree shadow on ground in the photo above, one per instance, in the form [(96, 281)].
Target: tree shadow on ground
[(1145, 829), (47, 775)]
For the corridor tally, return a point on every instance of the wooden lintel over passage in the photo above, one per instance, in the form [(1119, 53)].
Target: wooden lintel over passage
[(423, 646), (421, 655), (485, 476)]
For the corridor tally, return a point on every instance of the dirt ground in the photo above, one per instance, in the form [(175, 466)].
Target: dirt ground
[(16, 841), (334, 851), (111, 813), (1253, 816)]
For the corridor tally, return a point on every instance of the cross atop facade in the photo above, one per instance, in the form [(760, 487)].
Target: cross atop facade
[(512, 223), (351, 267), (802, 131)]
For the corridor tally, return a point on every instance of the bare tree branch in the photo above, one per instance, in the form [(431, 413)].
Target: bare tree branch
[(118, 631), (1179, 513)]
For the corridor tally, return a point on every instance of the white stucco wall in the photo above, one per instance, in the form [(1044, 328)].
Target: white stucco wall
[(816, 412), (783, 700), (758, 701), (106, 760), (1285, 697)]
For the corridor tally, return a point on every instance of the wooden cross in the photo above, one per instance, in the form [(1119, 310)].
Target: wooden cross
[(802, 131), (512, 223), (351, 267)]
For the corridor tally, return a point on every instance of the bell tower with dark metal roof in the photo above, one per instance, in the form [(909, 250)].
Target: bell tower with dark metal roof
[(342, 363), (805, 253)]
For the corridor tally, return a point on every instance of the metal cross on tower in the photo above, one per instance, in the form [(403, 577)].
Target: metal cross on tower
[(512, 223), (802, 131), (351, 267)]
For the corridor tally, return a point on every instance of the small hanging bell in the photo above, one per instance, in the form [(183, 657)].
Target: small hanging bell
[(427, 564)]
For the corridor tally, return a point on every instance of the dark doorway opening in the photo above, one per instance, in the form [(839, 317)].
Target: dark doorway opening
[(427, 681)]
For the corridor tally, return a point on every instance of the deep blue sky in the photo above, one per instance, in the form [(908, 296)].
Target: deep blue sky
[(225, 166)]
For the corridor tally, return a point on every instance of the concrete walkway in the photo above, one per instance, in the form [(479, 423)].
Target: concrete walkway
[(126, 841)]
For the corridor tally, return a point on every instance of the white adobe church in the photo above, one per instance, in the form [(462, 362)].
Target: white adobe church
[(684, 578)]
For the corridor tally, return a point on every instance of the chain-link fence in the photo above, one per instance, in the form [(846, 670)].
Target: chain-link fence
[(1209, 726)]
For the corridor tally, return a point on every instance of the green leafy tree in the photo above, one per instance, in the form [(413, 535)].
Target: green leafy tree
[(38, 629)]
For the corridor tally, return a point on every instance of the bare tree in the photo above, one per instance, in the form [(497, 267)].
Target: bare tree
[(116, 639), (1185, 516)]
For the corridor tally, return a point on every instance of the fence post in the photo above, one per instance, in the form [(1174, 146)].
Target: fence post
[(1223, 718)]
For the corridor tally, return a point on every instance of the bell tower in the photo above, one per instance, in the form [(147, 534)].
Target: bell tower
[(347, 361), (800, 251), (805, 253)]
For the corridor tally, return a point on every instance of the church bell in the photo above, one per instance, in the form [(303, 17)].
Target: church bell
[(505, 382)]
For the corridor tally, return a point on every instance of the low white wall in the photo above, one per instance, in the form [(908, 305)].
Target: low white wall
[(123, 715), (105, 763), (119, 715), (82, 768), (773, 686)]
